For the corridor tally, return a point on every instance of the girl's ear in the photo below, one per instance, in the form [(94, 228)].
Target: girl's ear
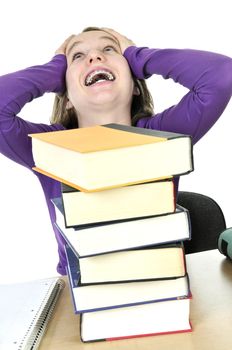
[(69, 104), (136, 91)]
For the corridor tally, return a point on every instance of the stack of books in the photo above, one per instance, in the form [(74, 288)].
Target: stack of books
[(123, 228)]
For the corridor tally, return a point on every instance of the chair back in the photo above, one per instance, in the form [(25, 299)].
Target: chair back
[(207, 221)]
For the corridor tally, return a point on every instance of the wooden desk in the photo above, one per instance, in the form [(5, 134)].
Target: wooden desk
[(211, 314)]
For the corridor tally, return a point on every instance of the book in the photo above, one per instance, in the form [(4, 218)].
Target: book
[(149, 263), (88, 298), (141, 200), (112, 155), (25, 310), (136, 321), (122, 235)]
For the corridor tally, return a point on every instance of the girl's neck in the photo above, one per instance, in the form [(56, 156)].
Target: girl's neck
[(104, 117)]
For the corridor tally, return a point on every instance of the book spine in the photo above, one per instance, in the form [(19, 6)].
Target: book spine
[(73, 267)]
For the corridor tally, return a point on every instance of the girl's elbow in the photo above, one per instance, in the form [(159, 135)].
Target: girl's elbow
[(225, 77)]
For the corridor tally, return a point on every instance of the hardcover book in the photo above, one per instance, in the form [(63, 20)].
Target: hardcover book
[(122, 235), (88, 298), (148, 263), (136, 321), (112, 155), (141, 200)]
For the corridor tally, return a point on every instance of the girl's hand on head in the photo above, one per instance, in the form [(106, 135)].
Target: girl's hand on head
[(123, 41), (62, 49)]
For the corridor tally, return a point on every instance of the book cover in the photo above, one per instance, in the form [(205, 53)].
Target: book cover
[(117, 236), (117, 155)]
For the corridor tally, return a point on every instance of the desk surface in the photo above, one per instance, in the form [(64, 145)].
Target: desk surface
[(211, 314)]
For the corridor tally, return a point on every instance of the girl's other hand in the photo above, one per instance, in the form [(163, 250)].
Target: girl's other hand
[(62, 49), (124, 42)]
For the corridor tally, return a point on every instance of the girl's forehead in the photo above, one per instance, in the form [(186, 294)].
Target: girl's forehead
[(95, 34), (92, 37), (92, 33)]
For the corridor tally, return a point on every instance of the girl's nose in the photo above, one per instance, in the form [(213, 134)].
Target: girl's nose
[(95, 56), (98, 58)]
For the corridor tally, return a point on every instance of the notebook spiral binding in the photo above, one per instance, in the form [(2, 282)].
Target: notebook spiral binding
[(39, 323)]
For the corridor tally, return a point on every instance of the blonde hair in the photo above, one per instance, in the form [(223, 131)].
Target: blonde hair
[(142, 104)]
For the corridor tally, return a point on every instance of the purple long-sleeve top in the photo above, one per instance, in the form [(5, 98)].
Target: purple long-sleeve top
[(208, 76)]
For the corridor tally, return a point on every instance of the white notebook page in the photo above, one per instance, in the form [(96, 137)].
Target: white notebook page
[(25, 309)]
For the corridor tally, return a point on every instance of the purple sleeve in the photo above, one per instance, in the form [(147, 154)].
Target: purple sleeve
[(17, 89), (207, 75)]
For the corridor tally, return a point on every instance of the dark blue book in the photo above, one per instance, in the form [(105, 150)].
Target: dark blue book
[(99, 239), (103, 296)]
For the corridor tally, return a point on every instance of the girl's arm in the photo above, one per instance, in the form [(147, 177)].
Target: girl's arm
[(17, 89), (207, 75)]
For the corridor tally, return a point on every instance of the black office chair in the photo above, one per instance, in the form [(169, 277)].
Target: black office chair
[(207, 221)]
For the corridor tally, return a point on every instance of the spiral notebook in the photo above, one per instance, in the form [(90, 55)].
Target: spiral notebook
[(25, 309)]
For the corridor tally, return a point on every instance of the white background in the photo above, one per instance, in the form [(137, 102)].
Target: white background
[(29, 34)]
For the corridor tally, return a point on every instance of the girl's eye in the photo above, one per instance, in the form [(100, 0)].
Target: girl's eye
[(109, 48), (77, 55)]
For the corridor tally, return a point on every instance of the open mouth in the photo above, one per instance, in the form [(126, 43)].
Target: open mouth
[(98, 76)]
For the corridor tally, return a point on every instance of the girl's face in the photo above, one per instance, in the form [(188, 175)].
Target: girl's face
[(98, 75)]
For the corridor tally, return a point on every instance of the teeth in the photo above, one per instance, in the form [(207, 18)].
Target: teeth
[(89, 78)]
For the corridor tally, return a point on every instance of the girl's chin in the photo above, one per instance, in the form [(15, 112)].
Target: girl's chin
[(102, 97)]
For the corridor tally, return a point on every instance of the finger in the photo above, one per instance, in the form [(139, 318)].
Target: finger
[(111, 32), (118, 37), (63, 46)]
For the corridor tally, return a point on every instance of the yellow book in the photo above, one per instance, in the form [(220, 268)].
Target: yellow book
[(112, 155)]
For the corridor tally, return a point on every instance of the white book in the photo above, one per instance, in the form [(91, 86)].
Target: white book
[(136, 321)]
